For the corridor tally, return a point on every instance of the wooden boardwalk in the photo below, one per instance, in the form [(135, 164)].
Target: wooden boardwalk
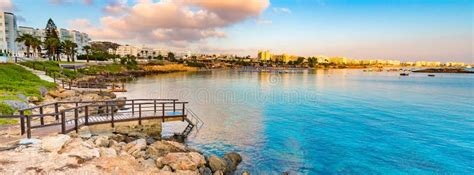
[(88, 113)]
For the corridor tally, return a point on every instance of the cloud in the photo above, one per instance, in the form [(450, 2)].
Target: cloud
[(263, 21), (173, 21), (61, 2), (281, 10), (6, 5), (116, 7)]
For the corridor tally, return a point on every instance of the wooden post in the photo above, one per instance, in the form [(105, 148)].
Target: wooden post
[(41, 116), (133, 107), (123, 86), (154, 105), (56, 110), (184, 106), (112, 115), (139, 114), (174, 105), (70, 84), (28, 126), (86, 113), (22, 122), (163, 112), (54, 77), (63, 122), (62, 82), (76, 117)]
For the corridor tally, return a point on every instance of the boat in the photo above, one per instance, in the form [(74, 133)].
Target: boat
[(404, 74), (431, 75)]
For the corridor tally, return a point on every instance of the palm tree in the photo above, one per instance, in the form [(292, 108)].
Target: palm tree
[(87, 49), (69, 49), (36, 46), (52, 45), (27, 40)]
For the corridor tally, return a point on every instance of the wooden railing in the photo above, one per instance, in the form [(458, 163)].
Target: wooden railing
[(72, 115)]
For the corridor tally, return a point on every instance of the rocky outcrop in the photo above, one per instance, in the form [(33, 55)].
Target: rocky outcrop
[(112, 154)]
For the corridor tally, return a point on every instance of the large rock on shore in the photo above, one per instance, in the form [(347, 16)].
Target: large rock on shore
[(217, 164), (161, 148), (183, 161), (233, 160), (54, 143)]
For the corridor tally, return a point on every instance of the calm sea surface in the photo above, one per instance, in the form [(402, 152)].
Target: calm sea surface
[(328, 121)]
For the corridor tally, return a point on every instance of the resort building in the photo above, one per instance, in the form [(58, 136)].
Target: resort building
[(264, 55), (8, 33), (455, 64), (127, 50), (338, 60), (285, 58), (81, 39)]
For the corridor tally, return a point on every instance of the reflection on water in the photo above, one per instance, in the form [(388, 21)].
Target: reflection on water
[(328, 121)]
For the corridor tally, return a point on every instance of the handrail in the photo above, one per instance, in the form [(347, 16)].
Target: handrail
[(134, 108)]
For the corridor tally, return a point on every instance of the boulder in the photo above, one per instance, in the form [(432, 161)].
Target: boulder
[(148, 163), (184, 161), (161, 148), (205, 171), (107, 94), (33, 99), (233, 160), (187, 172), (135, 148), (118, 137), (246, 172), (80, 149), (107, 152), (217, 164), (102, 141), (219, 172), (120, 102), (54, 143)]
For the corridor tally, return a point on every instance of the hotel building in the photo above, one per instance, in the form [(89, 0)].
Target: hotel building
[(8, 33)]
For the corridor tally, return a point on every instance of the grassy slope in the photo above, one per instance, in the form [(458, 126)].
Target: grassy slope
[(16, 80)]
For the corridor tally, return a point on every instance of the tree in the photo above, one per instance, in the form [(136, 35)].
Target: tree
[(299, 61), (87, 49), (171, 56), (69, 48), (312, 61), (52, 45), (27, 40), (36, 45), (51, 32)]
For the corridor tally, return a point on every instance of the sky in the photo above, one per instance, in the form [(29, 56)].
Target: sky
[(407, 30)]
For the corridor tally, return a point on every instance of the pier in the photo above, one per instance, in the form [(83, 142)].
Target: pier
[(73, 115)]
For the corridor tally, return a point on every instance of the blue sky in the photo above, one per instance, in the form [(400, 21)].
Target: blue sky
[(366, 29)]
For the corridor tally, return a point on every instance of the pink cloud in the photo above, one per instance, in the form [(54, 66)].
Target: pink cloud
[(6, 5), (174, 21)]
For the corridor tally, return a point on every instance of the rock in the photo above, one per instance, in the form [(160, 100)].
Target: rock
[(246, 172), (135, 148), (205, 171), (158, 162), (107, 152), (161, 148), (148, 163), (85, 132), (150, 140), (120, 102), (233, 160), (118, 137), (80, 149), (217, 164), (184, 161), (33, 99), (137, 134), (218, 173), (166, 168), (107, 94), (54, 143), (102, 141), (187, 172)]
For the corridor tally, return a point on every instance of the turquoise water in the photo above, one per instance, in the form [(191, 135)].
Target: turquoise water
[(329, 121)]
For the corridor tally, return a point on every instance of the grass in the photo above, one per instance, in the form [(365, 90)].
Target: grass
[(109, 68), (16, 80), (51, 67)]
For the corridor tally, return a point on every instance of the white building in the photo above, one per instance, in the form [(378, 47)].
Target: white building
[(127, 50), (8, 33), (81, 39)]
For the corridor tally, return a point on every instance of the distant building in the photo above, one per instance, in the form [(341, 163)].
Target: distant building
[(338, 60), (264, 55), (8, 33), (455, 64), (127, 50)]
